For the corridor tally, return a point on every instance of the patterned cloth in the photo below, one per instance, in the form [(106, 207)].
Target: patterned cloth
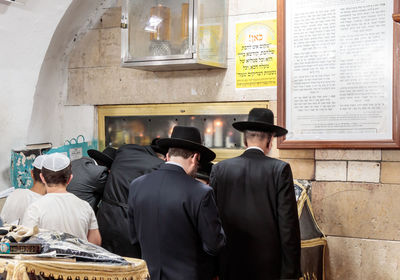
[(10, 269)]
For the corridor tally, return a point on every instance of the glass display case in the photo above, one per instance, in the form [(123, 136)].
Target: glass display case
[(166, 35), (140, 124)]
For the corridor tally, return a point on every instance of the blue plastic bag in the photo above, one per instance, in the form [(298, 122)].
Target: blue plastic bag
[(21, 160), (75, 148)]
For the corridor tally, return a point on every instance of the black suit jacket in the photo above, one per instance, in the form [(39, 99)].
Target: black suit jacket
[(130, 162), (257, 204), (176, 222), (88, 180)]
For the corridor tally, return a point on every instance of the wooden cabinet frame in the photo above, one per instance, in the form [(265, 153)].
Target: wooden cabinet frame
[(178, 110)]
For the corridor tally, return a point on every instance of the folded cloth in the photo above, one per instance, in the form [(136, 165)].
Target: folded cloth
[(67, 245), (12, 233)]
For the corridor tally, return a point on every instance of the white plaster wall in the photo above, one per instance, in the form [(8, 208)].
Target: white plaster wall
[(79, 120), (25, 32), (35, 40), (51, 120)]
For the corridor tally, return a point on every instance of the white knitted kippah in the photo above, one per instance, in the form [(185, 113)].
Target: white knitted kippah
[(56, 162), (38, 162)]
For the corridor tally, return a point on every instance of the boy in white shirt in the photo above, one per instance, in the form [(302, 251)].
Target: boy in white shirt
[(60, 210), (17, 202)]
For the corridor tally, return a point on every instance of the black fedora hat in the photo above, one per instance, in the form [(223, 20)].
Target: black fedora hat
[(187, 137), (260, 119), (106, 157), (157, 148), (204, 170)]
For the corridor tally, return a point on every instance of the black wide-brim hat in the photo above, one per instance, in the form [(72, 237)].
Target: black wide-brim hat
[(188, 138), (260, 119), (204, 170), (107, 156), (156, 148)]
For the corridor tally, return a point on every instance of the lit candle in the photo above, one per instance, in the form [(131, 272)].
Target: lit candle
[(242, 140), (208, 134), (171, 128), (141, 139), (127, 137), (228, 140), (218, 133)]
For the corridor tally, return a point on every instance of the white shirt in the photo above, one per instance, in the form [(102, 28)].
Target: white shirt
[(174, 163), (16, 204), (63, 212), (255, 147)]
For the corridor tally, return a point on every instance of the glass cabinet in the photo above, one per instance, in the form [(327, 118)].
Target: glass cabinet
[(139, 124), (161, 35)]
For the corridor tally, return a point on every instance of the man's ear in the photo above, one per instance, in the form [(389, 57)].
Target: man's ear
[(245, 140), (70, 178), (270, 143), (167, 157), (43, 180), (196, 157)]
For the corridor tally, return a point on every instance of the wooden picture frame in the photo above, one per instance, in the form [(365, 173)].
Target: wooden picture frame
[(283, 142)]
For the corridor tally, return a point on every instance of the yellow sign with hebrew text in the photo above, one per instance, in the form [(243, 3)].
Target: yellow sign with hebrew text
[(256, 54)]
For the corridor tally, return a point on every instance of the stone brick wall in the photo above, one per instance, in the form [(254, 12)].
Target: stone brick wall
[(355, 195), (355, 201), (95, 75), (354, 192)]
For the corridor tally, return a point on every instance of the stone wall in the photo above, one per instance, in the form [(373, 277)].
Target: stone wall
[(354, 192), (354, 198), (95, 76)]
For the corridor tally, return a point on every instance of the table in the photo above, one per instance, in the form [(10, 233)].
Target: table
[(15, 269)]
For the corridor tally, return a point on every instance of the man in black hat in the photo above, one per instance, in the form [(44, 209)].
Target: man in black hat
[(104, 158), (256, 200), (130, 162), (173, 216), (160, 152)]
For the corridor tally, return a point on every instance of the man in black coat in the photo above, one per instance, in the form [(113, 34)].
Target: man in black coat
[(131, 161), (173, 216), (257, 204), (90, 175), (88, 180)]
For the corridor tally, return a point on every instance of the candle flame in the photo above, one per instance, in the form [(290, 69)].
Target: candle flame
[(170, 130)]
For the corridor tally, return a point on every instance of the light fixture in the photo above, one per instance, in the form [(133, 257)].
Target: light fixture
[(152, 24)]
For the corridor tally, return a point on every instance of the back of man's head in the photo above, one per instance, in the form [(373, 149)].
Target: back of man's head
[(178, 152), (37, 168), (187, 158), (56, 169), (257, 136)]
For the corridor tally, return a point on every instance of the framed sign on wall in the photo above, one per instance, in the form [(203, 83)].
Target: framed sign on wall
[(338, 73)]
